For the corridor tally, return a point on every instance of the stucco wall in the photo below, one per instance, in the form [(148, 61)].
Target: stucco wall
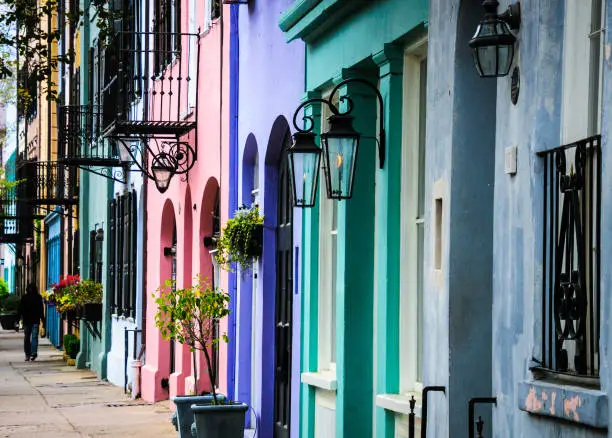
[(460, 144), (516, 268), (534, 124)]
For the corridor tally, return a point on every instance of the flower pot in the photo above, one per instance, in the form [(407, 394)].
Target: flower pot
[(256, 244), (92, 312), (8, 321), (184, 416), (220, 421)]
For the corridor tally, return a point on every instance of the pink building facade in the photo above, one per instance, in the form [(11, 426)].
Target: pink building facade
[(194, 206)]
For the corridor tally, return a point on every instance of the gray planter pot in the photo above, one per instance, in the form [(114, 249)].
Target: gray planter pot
[(183, 415), (8, 321), (220, 421)]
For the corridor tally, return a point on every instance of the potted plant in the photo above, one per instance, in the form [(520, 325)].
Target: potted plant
[(241, 239), (9, 305), (188, 315), (71, 345)]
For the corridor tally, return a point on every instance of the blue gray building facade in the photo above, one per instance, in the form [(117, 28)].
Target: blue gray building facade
[(517, 263)]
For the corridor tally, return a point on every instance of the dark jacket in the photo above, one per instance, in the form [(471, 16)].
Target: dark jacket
[(31, 308)]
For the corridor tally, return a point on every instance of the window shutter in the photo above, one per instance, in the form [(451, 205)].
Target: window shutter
[(75, 256), (125, 283), (112, 290), (119, 256), (90, 75), (133, 255), (99, 258), (92, 255)]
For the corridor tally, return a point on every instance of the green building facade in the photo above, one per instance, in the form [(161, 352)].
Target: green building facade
[(362, 291)]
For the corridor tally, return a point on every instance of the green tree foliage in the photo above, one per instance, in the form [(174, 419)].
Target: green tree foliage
[(29, 34), (4, 289), (188, 315)]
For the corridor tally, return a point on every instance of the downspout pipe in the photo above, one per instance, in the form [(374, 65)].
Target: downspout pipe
[(233, 186)]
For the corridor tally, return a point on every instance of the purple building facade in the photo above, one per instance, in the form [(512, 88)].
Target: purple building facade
[(267, 306)]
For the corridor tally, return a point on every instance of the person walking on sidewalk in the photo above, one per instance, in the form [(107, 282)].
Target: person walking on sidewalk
[(31, 312)]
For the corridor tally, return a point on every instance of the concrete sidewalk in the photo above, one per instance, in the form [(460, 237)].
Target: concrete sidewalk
[(49, 399)]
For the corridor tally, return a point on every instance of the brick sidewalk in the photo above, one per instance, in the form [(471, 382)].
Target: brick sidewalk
[(49, 399)]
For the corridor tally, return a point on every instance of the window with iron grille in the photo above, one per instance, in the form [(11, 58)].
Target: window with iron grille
[(96, 261), (571, 204), (167, 25), (122, 254)]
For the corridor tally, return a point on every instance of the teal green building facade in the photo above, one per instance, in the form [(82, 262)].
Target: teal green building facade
[(360, 351), (95, 191)]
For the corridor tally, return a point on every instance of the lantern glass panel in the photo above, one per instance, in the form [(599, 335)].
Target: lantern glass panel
[(304, 174), (493, 45), (124, 155), (162, 175), (340, 161)]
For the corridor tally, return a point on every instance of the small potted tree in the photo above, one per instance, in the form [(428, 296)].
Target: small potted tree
[(241, 239), (188, 315)]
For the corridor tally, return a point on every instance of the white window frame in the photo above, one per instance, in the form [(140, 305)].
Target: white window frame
[(409, 311), (580, 115), (327, 263), (193, 68), (209, 19)]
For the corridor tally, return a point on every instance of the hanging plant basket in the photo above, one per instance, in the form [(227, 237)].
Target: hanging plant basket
[(92, 312), (69, 315), (241, 240)]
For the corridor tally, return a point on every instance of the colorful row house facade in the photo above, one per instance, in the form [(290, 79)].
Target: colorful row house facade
[(362, 288), (458, 287), (269, 82)]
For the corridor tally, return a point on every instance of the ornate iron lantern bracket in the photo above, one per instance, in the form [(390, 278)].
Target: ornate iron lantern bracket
[(309, 122)]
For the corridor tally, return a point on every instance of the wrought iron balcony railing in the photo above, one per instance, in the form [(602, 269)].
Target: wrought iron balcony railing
[(80, 142), (47, 183), (150, 86), (16, 218)]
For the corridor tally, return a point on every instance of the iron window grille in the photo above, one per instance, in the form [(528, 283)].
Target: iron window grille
[(122, 254), (166, 23), (571, 257), (96, 263)]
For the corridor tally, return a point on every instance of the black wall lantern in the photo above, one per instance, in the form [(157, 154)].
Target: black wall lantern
[(304, 162), (493, 43), (340, 147)]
